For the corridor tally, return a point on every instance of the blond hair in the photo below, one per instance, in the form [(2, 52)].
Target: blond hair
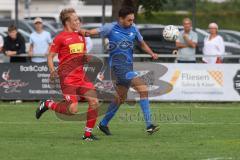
[(65, 14)]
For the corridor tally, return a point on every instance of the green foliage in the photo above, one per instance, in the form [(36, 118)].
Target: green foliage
[(226, 20), (151, 6), (202, 5), (209, 7), (177, 5)]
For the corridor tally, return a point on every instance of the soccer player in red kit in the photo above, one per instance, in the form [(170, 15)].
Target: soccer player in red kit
[(70, 46)]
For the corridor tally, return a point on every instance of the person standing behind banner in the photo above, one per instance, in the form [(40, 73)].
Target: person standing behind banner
[(213, 45), (40, 41), (187, 43), (1, 49), (1, 43), (14, 44)]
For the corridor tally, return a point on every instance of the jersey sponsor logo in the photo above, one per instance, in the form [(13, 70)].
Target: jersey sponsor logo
[(111, 46), (124, 45), (76, 48), (131, 34), (68, 98), (68, 39)]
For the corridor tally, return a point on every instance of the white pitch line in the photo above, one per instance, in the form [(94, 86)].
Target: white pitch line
[(195, 107), (164, 107), (71, 122), (219, 158), (213, 123), (199, 107)]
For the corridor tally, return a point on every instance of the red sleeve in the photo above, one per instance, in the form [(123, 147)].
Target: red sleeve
[(54, 48)]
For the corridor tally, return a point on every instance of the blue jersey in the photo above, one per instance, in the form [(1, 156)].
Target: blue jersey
[(121, 42)]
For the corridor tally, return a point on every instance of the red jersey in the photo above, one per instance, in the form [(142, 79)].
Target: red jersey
[(71, 48), (68, 45)]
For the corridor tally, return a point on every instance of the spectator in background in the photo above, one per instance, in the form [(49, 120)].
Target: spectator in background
[(40, 41), (187, 43), (213, 45), (1, 43), (14, 44), (1, 49)]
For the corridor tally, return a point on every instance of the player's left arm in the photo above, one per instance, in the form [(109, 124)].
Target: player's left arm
[(148, 50), (103, 31), (144, 45)]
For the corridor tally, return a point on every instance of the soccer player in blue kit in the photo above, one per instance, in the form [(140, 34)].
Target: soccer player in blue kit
[(121, 36)]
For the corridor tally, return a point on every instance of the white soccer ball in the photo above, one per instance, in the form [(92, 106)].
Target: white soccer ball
[(170, 33)]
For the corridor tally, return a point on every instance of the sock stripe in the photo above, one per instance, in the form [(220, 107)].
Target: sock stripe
[(87, 129)]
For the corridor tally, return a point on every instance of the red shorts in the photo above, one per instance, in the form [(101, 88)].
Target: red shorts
[(75, 93), (74, 82)]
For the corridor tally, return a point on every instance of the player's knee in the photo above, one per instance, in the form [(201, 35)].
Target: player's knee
[(120, 100), (73, 108), (143, 94), (143, 91), (94, 103), (117, 100)]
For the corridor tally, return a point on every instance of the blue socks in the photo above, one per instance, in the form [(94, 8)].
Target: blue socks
[(112, 109), (144, 103)]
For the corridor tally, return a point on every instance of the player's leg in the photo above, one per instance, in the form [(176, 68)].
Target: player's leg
[(118, 75), (91, 97), (140, 86), (68, 106), (120, 98)]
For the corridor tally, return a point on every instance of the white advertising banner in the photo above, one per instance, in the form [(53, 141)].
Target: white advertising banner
[(201, 82)]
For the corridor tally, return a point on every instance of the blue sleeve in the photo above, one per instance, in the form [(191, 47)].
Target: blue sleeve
[(105, 30), (139, 37)]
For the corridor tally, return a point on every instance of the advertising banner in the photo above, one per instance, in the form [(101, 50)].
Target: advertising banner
[(202, 82), (166, 82)]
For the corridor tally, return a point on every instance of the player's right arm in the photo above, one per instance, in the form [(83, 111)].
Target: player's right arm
[(53, 51), (50, 58)]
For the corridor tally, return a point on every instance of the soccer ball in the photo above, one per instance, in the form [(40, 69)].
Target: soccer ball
[(170, 33)]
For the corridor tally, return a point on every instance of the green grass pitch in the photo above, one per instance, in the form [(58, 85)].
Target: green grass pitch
[(188, 131)]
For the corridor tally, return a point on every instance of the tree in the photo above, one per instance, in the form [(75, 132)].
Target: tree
[(116, 6), (148, 5)]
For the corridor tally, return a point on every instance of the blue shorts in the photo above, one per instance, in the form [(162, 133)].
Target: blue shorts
[(122, 69), (120, 74)]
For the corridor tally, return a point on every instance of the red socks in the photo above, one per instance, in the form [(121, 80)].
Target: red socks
[(91, 120), (61, 107)]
